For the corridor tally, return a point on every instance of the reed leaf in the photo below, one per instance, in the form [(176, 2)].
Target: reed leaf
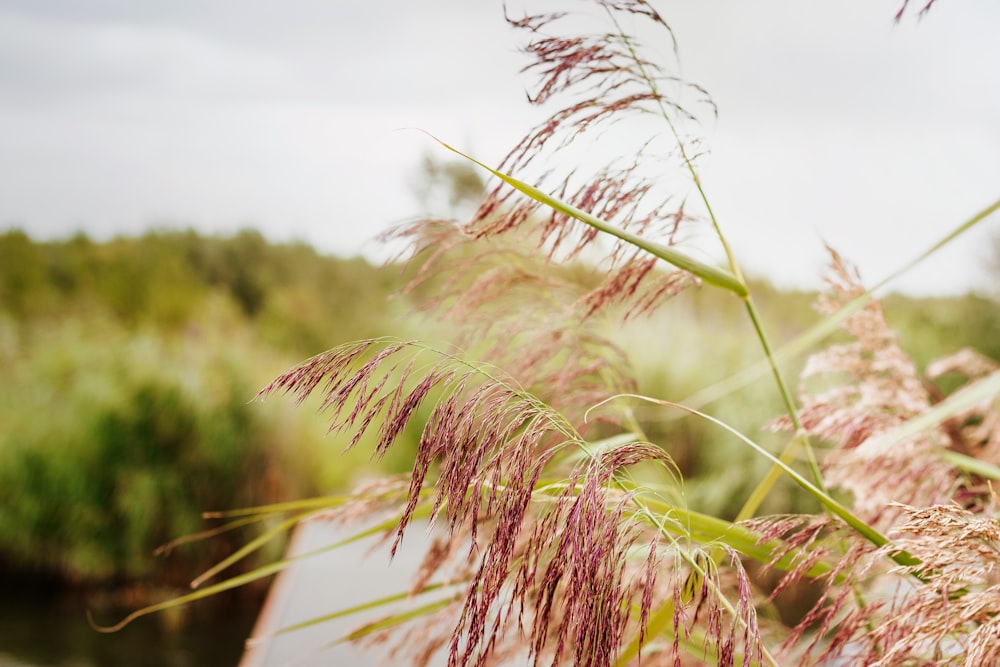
[(249, 548), (708, 273), (829, 324), (356, 609), (254, 575), (966, 397), (865, 530), (970, 464)]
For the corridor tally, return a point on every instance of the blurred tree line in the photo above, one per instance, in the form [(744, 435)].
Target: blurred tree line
[(294, 297), (128, 365)]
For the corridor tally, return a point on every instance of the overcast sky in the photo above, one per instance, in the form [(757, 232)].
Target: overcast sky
[(834, 123)]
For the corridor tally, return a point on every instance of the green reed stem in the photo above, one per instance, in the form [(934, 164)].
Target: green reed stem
[(801, 439), (706, 272), (868, 532), (830, 324), (764, 487)]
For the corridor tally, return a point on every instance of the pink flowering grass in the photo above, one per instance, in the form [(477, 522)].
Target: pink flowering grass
[(562, 534)]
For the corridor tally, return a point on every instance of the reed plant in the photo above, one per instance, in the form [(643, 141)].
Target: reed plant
[(562, 530)]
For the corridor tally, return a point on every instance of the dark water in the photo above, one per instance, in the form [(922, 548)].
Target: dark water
[(41, 628), (44, 628)]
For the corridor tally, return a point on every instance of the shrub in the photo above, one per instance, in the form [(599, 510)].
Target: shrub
[(115, 442)]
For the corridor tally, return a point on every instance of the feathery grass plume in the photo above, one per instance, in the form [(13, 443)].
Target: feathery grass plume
[(497, 275), (598, 564), (923, 10), (953, 618), (562, 555), (490, 442), (483, 430), (602, 76), (872, 387), (575, 569), (731, 632), (533, 320), (560, 558), (830, 630), (596, 80)]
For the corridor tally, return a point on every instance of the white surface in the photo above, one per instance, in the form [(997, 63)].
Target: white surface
[(338, 579)]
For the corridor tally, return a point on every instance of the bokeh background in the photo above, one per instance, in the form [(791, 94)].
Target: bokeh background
[(188, 196)]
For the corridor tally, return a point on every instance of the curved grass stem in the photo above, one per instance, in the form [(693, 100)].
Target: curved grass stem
[(871, 534), (765, 486), (801, 439), (706, 272), (817, 333)]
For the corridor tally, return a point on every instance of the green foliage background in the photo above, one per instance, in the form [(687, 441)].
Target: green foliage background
[(128, 367)]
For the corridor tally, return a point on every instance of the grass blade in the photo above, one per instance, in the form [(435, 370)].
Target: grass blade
[(970, 464), (821, 330), (249, 548), (258, 573), (706, 272), (366, 606), (868, 532), (963, 399)]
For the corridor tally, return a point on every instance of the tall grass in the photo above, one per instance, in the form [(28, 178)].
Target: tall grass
[(565, 533)]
